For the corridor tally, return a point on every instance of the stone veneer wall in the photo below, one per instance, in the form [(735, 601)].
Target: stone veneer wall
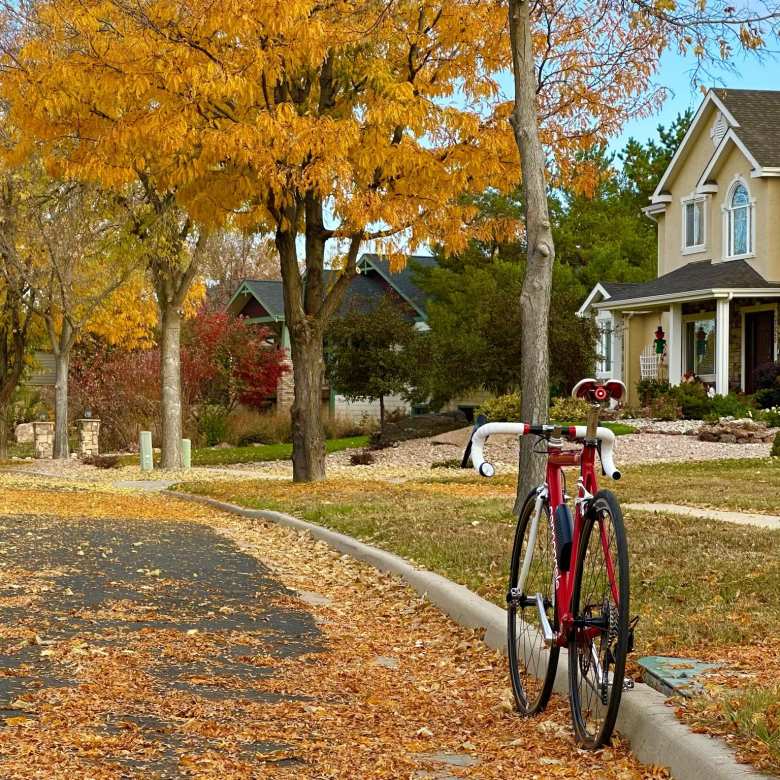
[(89, 433), (285, 390), (43, 439)]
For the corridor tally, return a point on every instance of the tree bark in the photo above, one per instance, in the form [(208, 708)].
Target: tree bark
[(170, 383), (308, 433), (537, 285), (4, 410), (61, 443), (382, 416)]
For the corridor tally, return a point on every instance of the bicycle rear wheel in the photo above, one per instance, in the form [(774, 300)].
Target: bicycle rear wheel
[(532, 666), (598, 645)]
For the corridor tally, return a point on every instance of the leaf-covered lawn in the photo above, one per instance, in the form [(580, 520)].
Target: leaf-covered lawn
[(751, 485), (702, 588), (224, 456)]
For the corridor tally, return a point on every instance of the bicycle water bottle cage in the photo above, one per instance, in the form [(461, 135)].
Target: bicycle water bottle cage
[(597, 391)]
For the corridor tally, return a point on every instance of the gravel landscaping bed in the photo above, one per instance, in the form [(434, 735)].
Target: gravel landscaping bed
[(411, 457)]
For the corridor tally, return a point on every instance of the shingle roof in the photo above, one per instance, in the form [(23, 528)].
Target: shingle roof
[(403, 280), (365, 288), (702, 275), (758, 114), (269, 293)]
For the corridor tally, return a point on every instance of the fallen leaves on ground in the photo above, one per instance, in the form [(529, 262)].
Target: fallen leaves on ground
[(336, 711)]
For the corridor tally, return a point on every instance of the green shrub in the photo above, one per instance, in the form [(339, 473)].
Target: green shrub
[(213, 424), (770, 416), (776, 446), (767, 397), (504, 407), (650, 389), (731, 405), (693, 400), (665, 407), (568, 409)]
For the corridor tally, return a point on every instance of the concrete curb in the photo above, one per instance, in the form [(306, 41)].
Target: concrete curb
[(655, 733)]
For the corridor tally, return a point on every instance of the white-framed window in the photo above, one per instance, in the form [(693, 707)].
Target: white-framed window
[(699, 345), (694, 224), (605, 346), (739, 227)]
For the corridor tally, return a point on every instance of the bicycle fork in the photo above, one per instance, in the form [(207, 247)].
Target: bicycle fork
[(516, 594)]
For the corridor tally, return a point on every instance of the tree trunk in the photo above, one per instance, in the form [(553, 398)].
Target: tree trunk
[(537, 285), (61, 443), (170, 382), (382, 416), (308, 435), (4, 412)]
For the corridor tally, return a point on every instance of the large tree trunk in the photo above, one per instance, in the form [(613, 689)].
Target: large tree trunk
[(308, 435), (4, 414), (170, 383), (62, 365), (537, 285)]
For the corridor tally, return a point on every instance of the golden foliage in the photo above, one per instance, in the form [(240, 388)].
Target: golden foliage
[(389, 112)]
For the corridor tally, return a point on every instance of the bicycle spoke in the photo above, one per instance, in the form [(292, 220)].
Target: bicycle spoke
[(532, 665), (598, 648)]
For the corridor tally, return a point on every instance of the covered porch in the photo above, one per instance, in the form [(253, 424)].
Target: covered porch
[(719, 339)]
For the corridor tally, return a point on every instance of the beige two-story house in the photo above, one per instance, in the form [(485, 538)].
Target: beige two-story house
[(717, 292)]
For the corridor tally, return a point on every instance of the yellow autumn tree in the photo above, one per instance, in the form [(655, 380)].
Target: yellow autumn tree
[(328, 125), (76, 260)]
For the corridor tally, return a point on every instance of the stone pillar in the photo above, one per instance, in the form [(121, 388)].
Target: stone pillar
[(89, 431), (285, 388), (43, 439)]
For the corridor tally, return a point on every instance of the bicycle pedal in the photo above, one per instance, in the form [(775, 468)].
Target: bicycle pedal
[(628, 684)]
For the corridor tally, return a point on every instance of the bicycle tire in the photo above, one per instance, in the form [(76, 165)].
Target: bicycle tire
[(595, 699), (532, 683)]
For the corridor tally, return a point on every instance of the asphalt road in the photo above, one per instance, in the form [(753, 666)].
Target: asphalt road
[(141, 629)]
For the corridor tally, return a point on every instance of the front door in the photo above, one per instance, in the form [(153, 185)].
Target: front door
[(759, 343)]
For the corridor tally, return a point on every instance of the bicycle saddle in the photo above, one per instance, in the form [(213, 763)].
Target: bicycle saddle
[(597, 391)]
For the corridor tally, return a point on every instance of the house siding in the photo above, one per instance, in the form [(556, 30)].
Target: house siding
[(359, 410)]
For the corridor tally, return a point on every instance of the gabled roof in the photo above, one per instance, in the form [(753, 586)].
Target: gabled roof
[(267, 292), (757, 112), (698, 277), (752, 118), (403, 280), (365, 290)]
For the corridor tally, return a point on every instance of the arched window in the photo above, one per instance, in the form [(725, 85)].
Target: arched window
[(739, 213)]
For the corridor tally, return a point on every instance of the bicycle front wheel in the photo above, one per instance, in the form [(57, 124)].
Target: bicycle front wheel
[(532, 666), (598, 645)]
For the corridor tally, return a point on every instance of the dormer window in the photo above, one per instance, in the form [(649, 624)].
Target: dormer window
[(693, 225), (739, 221)]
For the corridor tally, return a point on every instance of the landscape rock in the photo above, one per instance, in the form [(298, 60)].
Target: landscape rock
[(732, 431), (23, 433)]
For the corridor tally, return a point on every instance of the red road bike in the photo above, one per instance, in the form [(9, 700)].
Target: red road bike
[(568, 585)]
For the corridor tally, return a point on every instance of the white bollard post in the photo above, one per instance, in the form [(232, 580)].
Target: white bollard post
[(147, 456)]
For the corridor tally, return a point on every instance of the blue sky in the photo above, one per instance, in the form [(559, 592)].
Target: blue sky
[(675, 73)]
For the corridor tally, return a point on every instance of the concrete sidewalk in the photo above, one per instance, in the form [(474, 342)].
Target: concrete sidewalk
[(739, 518)]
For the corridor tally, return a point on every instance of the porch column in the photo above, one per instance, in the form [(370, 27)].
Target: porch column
[(722, 346), (675, 343)]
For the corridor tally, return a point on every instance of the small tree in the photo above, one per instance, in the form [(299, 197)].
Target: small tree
[(369, 353)]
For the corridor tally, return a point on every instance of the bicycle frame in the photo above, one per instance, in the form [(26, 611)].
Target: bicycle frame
[(552, 491)]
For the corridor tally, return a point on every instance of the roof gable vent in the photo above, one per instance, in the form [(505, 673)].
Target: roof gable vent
[(719, 129)]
